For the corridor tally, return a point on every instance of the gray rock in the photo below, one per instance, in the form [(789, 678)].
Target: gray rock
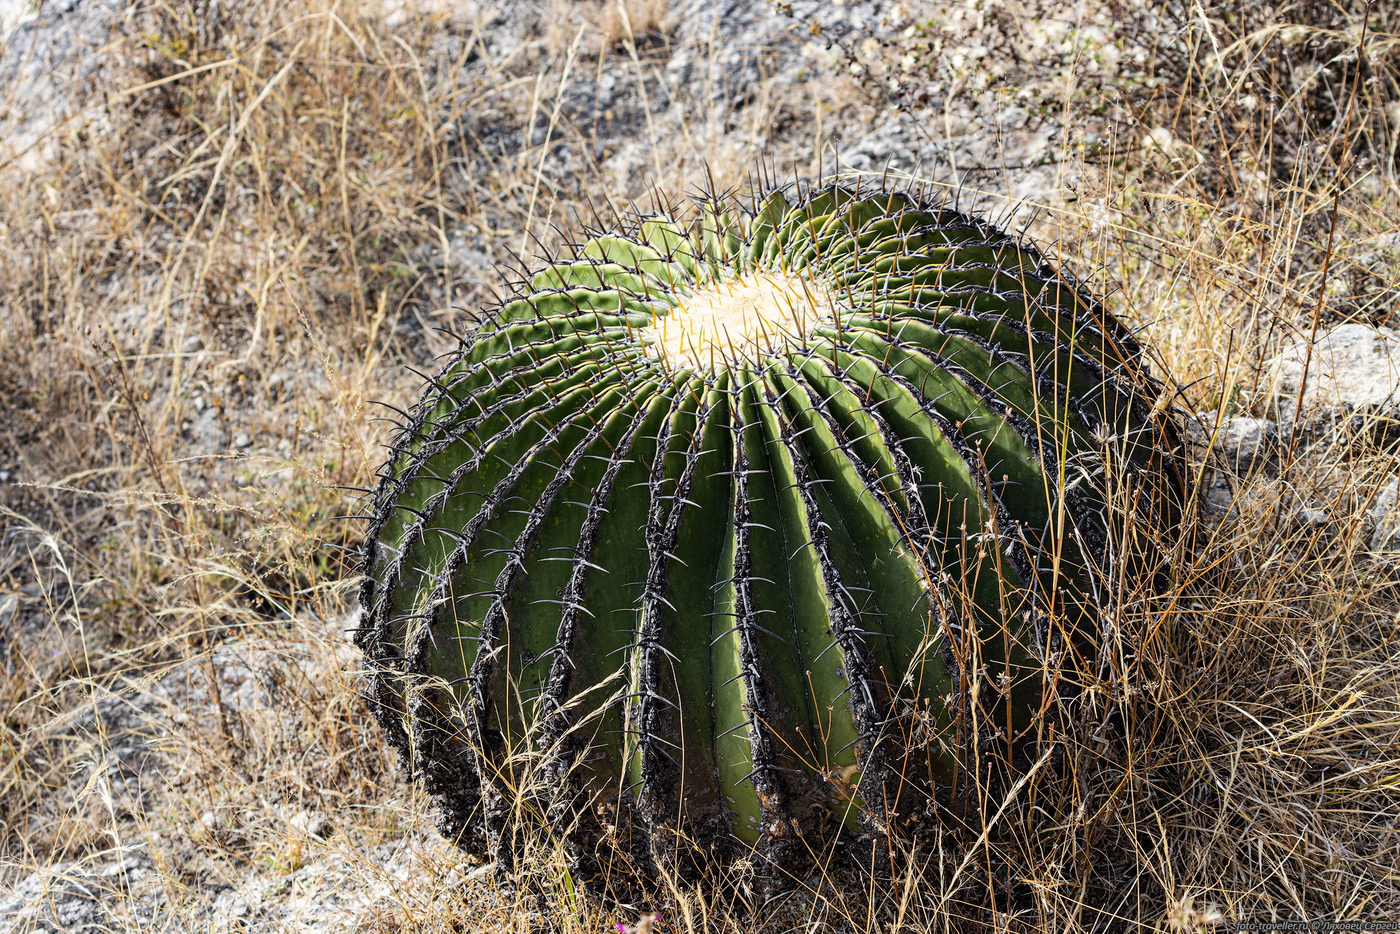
[(1217, 495), (1352, 366), (1247, 440), (1311, 517), (1241, 442)]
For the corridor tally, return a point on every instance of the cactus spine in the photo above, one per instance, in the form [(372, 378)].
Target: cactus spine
[(713, 530)]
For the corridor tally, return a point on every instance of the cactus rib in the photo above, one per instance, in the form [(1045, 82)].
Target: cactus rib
[(742, 531)]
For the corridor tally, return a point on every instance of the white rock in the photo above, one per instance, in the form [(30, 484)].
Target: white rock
[(1352, 366)]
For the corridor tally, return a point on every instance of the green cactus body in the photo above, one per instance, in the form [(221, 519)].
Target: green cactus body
[(750, 531)]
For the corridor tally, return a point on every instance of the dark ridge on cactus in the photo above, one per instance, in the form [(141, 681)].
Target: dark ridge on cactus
[(752, 527)]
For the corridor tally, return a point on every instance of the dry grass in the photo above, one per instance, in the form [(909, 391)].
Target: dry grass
[(205, 288)]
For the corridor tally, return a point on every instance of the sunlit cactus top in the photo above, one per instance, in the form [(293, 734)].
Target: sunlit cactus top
[(744, 527)]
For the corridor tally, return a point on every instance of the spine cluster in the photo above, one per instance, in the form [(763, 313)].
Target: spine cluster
[(790, 595)]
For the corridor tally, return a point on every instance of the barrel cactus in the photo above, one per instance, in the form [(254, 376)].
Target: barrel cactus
[(749, 528)]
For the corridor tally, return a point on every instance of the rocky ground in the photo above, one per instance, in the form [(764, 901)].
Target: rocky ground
[(545, 107)]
